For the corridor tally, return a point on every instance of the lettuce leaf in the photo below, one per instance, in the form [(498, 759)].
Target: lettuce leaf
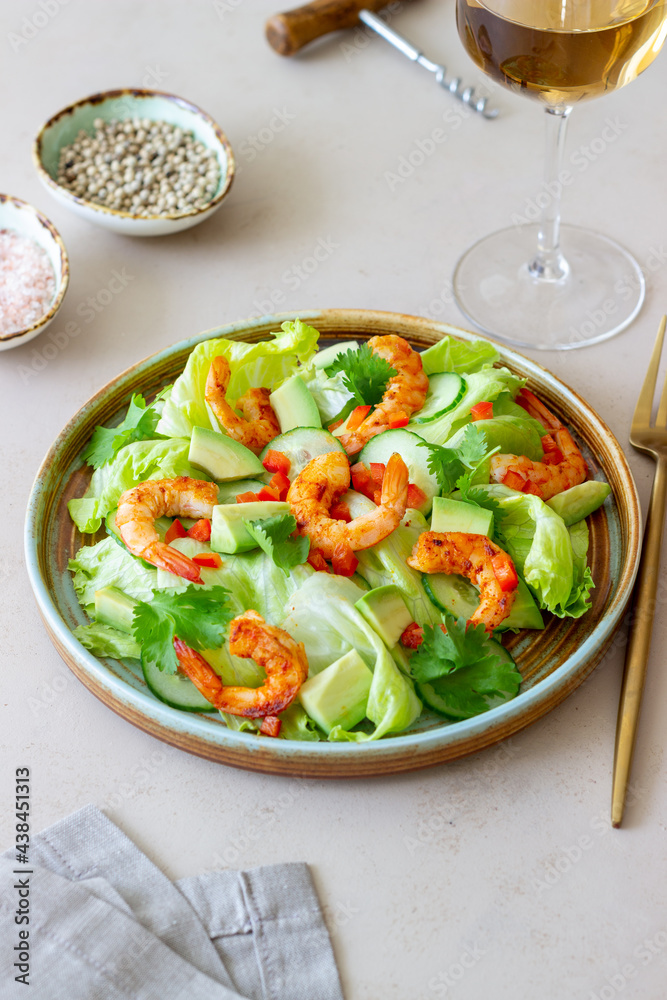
[(321, 614), (541, 547), (329, 392), (451, 355), (251, 365), (483, 386), (579, 600), (386, 563), (103, 640), (108, 564), (140, 460)]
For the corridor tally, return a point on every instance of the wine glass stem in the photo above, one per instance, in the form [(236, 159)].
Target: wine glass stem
[(548, 264)]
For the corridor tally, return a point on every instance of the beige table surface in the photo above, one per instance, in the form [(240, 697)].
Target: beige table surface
[(497, 875)]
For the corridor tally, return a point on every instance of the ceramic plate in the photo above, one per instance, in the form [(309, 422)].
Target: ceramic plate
[(553, 662)]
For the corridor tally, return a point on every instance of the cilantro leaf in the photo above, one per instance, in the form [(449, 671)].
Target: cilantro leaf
[(139, 424), (482, 499), (365, 374), (465, 667), (444, 464), (473, 448), (274, 536), (199, 617)]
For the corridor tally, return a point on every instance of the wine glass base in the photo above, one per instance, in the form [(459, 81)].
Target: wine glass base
[(601, 294)]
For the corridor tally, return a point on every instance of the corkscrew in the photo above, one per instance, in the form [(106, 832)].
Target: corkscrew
[(289, 32)]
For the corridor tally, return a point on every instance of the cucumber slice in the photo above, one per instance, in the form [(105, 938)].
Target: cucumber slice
[(328, 355), (445, 391), (382, 447), (301, 445), (457, 596), (174, 690), (437, 694)]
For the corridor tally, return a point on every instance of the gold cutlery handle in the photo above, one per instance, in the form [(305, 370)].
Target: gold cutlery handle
[(639, 642)]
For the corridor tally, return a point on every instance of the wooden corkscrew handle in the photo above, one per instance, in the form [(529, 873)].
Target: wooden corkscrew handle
[(289, 32)]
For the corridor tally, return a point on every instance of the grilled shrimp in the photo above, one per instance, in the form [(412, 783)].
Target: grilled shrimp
[(319, 485), (563, 465), (405, 392), (139, 507), (283, 659), (477, 558), (257, 426)]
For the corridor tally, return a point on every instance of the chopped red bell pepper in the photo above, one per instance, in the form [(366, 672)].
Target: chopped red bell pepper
[(481, 411), (416, 496), (400, 420), (504, 571), (281, 483), (268, 493), (175, 531), (344, 561), (276, 461), (248, 497), (332, 427), (377, 473), (357, 417), (340, 511), (211, 560), (362, 480), (413, 636), (317, 561), (270, 726), (201, 530), (514, 481)]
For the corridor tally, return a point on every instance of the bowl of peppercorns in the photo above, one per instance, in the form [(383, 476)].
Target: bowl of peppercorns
[(140, 162)]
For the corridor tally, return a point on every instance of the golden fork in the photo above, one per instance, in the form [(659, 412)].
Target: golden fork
[(651, 439)]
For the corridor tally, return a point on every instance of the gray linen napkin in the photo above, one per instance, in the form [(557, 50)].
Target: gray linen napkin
[(106, 923)]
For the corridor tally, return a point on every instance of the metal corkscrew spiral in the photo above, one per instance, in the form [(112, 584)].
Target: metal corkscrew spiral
[(454, 86)]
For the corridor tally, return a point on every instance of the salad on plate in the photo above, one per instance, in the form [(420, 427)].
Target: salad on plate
[(322, 545)]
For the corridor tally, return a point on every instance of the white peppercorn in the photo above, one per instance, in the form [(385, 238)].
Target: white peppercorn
[(148, 168)]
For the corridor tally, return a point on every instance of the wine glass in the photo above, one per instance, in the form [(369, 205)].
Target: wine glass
[(543, 285)]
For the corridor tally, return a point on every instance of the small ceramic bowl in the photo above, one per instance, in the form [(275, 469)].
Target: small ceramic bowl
[(24, 219), (62, 129)]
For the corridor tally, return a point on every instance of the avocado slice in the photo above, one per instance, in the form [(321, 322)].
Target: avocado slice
[(221, 457), (579, 501), (294, 405), (457, 515), (228, 531), (385, 610), (114, 608), (338, 695)]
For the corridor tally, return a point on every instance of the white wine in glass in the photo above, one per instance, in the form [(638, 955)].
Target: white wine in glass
[(544, 285)]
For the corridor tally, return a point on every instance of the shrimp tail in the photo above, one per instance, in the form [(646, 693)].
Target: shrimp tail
[(535, 408), (201, 673), (395, 485), (170, 559)]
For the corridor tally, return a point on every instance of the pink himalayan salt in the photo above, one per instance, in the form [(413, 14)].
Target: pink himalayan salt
[(27, 282)]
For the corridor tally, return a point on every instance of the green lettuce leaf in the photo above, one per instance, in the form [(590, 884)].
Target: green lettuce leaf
[(579, 600), (482, 386), (462, 356), (322, 615), (103, 640), (135, 462), (386, 563), (252, 579), (541, 548), (329, 392), (251, 365), (108, 564), (138, 424)]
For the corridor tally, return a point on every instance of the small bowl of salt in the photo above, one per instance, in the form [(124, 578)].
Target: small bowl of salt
[(34, 272)]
